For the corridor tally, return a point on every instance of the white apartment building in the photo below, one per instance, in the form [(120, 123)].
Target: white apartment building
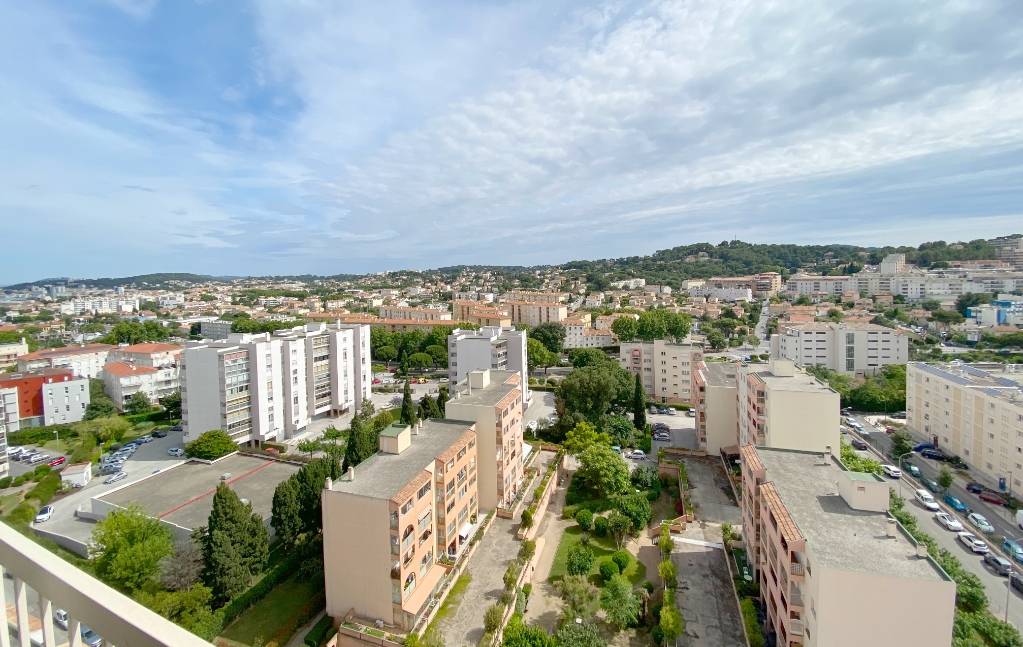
[(489, 347), (594, 300), (974, 411), (268, 387), (84, 361), (416, 314), (533, 314), (860, 349), (99, 306), (534, 296), (784, 407), (665, 369), (723, 293), (121, 380), (65, 401), (717, 407), (629, 284), (912, 284), (9, 353), (9, 421)]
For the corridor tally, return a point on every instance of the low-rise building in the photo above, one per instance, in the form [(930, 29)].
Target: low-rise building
[(480, 313), (860, 349), (534, 296), (579, 333), (665, 369), (492, 400), (84, 361), (974, 411), (389, 520), (723, 293), (835, 570), (9, 353), (48, 396)]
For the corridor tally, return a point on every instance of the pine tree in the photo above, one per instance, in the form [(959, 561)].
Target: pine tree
[(286, 512), (352, 454), (224, 569), (428, 407), (408, 410), (236, 523), (638, 405)]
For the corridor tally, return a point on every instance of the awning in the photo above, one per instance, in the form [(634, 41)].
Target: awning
[(466, 530)]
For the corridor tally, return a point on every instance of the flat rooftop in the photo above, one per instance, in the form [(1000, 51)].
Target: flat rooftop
[(839, 536), (490, 394), (183, 494), (720, 374), (799, 381), (382, 475), (999, 380)]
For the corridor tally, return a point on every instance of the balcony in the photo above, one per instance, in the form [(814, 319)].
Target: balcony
[(112, 615), (795, 627), (795, 568), (396, 571), (795, 597)]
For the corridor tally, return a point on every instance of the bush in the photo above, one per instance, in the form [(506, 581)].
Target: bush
[(39, 472), (580, 560), (318, 633), (622, 559), (527, 518), (5, 482), (527, 549), (511, 574), (608, 569), (749, 619), (211, 445), (600, 526), (44, 491), (20, 480), (492, 617), (24, 513), (585, 519)]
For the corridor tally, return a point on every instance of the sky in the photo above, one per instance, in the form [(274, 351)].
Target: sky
[(299, 136)]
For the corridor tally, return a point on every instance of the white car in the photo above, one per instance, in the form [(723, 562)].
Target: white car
[(971, 541), (926, 500), (948, 521), (176, 451), (115, 477), (637, 455), (892, 471), (44, 513)]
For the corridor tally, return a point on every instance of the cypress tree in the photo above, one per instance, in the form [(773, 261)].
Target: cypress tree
[(224, 569), (286, 514), (408, 410), (442, 398), (638, 405)]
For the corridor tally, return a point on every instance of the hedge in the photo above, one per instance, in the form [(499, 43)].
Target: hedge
[(40, 435), (315, 636), (159, 415), (749, 619), (259, 590), (45, 489)]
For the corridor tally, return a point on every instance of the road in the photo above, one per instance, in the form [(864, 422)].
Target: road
[(995, 585)]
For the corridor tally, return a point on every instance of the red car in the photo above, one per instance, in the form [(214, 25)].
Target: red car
[(60, 460), (991, 497)]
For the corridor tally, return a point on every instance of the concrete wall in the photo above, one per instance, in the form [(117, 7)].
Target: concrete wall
[(805, 420), (357, 556), (721, 417)]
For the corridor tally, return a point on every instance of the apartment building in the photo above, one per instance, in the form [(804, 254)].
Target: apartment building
[(480, 313), (416, 314), (731, 294), (764, 284), (628, 284), (532, 314), (9, 353), (974, 411), (265, 387), (48, 396), (911, 284), (835, 570), (1009, 249), (860, 349), (665, 369), (84, 361), (534, 296), (579, 333), (782, 406), (215, 329), (9, 421), (388, 521), (492, 400), (717, 406), (501, 348), (99, 305), (149, 368)]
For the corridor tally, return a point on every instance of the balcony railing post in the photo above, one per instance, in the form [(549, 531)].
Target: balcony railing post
[(21, 612), (49, 640), (5, 635), (74, 632)]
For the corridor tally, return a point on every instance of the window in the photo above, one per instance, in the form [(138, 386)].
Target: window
[(423, 491)]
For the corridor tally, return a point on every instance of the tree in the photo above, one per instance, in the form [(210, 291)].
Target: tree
[(442, 397), (716, 340), (309, 447), (183, 568), (666, 569), (234, 524), (362, 443), (671, 623), (286, 512), (224, 569), (408, 410), (101, 408), (945, 478), (625, 328), (137, 403), (428, 407), (332, 434), (550, 334), (104, 429), (592, 390), (191, 607), (519, 634), (580, 559), (620, 602), (970, 299), (638, 404), (901, 444), (438, 353), (420, 361), (636, 507), (619, 428), (172, 404), (581, 357), (211, 445), (582, 436), (603, 470), (538, 356), (386, 353), (581, 597), (127, 548), (947, 317), (573, 634), (619, 526)]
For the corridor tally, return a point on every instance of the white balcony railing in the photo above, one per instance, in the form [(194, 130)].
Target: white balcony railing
[(121, 621)]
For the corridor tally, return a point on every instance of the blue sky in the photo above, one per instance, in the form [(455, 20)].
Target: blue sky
[(229, 137)]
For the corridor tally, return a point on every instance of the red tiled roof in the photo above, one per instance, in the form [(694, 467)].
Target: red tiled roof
[(124, 369), (68, 350), (150, 347)]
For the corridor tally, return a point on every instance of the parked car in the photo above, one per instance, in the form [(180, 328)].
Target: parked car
[(90, 638), (991, 497), (160, 433), (931, 485), (177, 428), (38, 458), (958, 463), (912, 469), (668, 411), (176, 451), (60, 460), (972, 542), (664, 438), (934, 454), (926, 500), (956, 504), (44, 513), (891, 471), (1016, 581), (115, 477), (1012, 548), (110, 468), (980, 522), (948, 521), (691, 413), (975, 487), (998, 564), (637, 455), (922, 446), (14, 452), (652, 409), (858, 444)]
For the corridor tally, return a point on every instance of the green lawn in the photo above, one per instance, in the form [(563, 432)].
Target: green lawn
[(276, 610), (602, 547)]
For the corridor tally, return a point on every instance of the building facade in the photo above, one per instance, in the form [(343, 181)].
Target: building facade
[(1009, 249), (492, 400), (835, 570), (860, 349), (532, 314), (416, 314), (974, 411), (9, 353), (717, 407), (489, 347), (9, 422), (665, 369), (580, 334), (83, 361), (215, 329), (48, 396), (389, 520)]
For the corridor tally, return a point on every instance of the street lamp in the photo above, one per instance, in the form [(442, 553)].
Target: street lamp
[(1008, 588)]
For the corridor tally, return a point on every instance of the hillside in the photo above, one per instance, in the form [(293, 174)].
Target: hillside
[(162, 279)]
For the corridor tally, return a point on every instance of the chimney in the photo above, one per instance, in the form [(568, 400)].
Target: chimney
[(328, 483), (891, 528), (351, 473)]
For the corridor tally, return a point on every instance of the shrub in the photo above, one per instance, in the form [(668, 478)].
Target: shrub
[(20, 480), (600, 526), (511, 574), (40, 471), (492, 617), (211, 445), (318, 633), (622, 559), (585, 519), (527, 518), (749, 619), (608, 569), (580, 560), (527, 549), (726, 533), (43, 492), (5, 482)]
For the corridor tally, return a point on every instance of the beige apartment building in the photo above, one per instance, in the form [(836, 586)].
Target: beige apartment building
[(717, 407), (835, 570), (480, 313), (974, 411), (415, 314), (859, 349), (9, 353), (532, 314), (534, 296), (782, 406), (665, 369), (492, 400), (388, 521), (765, 284)]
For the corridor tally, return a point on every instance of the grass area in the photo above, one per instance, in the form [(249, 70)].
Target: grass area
[(451, 602), (602, 547), (57, 446), (8, 502), (262, 620)]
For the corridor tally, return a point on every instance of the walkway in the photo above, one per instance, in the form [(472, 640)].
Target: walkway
[(545, 603)]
